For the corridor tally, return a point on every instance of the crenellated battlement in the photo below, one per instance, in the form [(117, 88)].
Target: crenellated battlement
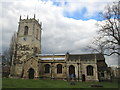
[(30, 20)]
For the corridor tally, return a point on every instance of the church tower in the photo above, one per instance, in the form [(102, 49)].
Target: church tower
[(27, 43), (28, 38)]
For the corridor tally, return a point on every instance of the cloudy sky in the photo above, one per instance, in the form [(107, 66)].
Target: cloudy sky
[(68, 25)]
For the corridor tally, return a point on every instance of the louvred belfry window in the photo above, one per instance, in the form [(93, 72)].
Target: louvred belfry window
[(26, 30), (37, 34)]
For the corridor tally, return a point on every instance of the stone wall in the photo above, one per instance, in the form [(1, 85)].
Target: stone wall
[(31, 63)]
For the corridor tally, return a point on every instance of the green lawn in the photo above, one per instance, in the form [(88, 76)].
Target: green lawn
[(27, 83)]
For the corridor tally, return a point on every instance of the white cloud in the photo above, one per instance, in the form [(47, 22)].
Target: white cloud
[(67, 33), (60, 34), (112, 60)]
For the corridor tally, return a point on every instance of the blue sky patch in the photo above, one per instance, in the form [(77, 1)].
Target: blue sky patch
[(59, 3), (56, 3), (78, 14), (82, 15)]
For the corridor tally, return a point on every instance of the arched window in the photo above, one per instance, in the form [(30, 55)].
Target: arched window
[(26, 30), (71, 69), (59, 68), (47, 68), (102, 74), (90, 70)]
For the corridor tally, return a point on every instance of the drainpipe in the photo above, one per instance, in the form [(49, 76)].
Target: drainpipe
[(96, 71), (51, 69), (78, 71)]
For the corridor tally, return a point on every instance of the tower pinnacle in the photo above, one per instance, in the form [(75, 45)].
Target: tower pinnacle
[(20, 17), (34, 16), (27, 16)]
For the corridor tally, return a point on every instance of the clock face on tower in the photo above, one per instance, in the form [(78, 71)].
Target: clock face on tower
[(24, 38)]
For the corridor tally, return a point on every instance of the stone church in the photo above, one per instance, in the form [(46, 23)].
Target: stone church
[(28, 62)]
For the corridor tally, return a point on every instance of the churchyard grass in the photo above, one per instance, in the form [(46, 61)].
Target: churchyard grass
[(29, 83)]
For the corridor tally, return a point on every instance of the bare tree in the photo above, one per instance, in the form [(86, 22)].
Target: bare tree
[(7, 54), (108, 40), (12, 47), (5, 57)]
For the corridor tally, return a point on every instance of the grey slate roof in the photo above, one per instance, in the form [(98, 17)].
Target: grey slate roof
[(72, 56), (51, 58), (86, 56)]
